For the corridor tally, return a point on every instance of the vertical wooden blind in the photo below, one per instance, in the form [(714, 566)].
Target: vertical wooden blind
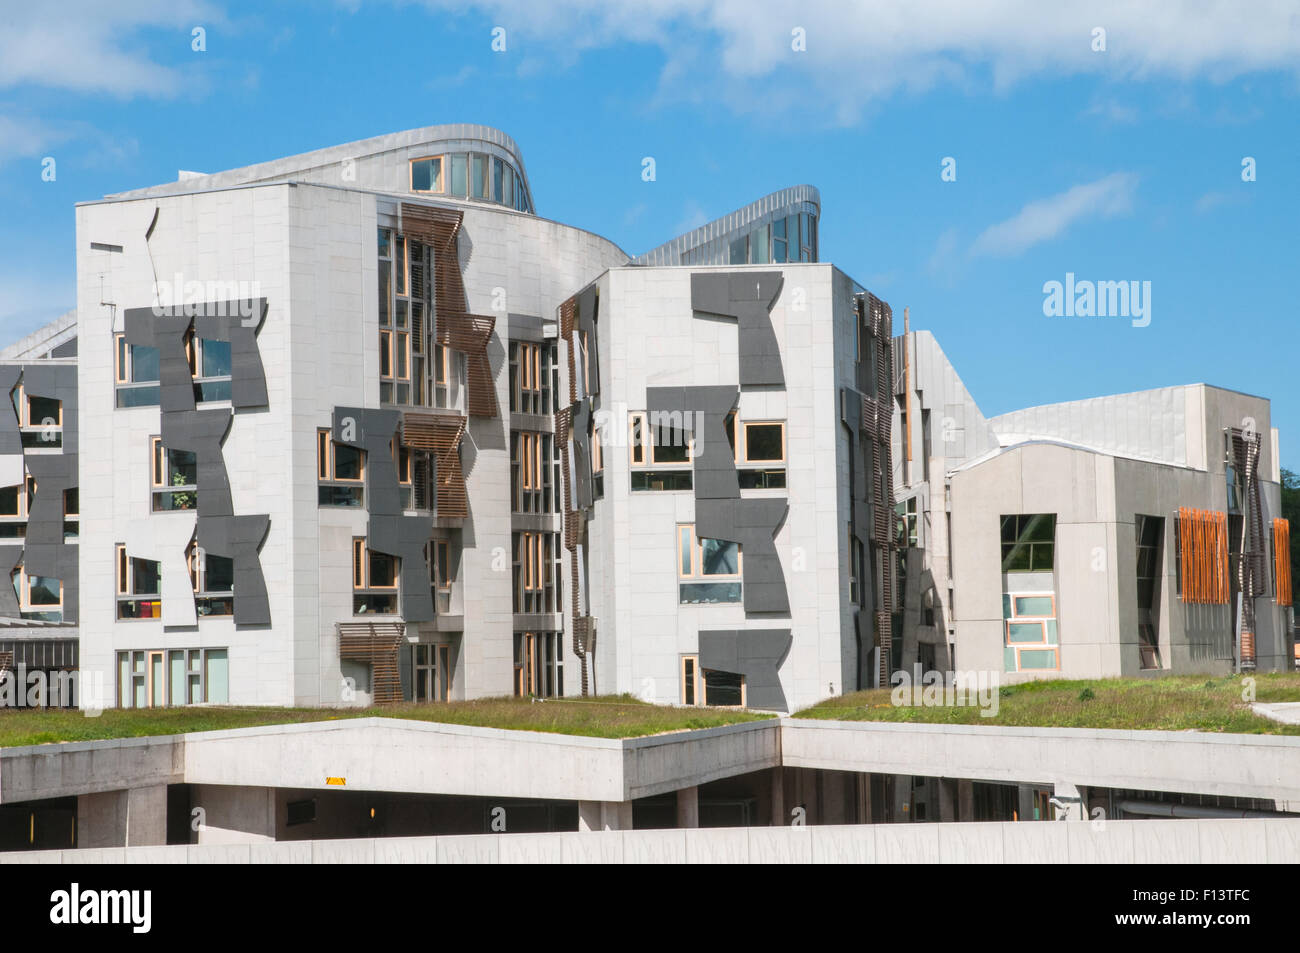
[(1282, 560), (1203, 545)]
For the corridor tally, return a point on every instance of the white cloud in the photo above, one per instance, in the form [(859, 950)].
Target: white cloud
[(1044, 219), (860, 53), (89, 46), (27, 137)]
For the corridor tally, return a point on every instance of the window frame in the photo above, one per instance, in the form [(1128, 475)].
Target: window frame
[(363, 584), (441, 179), (700, 688), (125, 590)]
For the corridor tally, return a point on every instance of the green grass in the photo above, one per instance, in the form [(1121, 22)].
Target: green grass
[(609, 716), (1175, 703)]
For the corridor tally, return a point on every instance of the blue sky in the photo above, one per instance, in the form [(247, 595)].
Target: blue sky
[(1115, 164)]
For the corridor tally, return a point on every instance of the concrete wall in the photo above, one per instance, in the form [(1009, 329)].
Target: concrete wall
[(1076, 842)]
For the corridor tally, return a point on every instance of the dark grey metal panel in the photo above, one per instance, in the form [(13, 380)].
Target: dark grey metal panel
[(704, 411), (239, 538), (372, 431), (389, 530), (748, 298), (54, 473), (756, 654), (166, 331), (588, 306), (581, 436), (202, 432), (753, 524), (57, 382), (11, 440), (58, 561), (67, 349), (225, 321), (10, 556)]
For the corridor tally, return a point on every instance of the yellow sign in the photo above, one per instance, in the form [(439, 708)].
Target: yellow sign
[(338, 781)]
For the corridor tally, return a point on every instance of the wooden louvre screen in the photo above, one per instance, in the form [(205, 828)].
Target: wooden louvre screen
[(440, 434), (1282, 560), (1203, 545), (456, 327), (6, 662), (376, 643)]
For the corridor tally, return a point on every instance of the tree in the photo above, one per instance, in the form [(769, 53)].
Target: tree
[(1291, 511)]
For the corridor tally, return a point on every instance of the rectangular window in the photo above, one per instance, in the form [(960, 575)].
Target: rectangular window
[(431, 666), (340, 472), (213, 580), (152, 678), (760, 453), (713, 688), (1028, 542), (708, 570), (527, 380), (1030, 630), (374, 581), (139, 587), (426, 174), (539, 664), (479, 165), (175, 478), (660, 451), (536, 572)]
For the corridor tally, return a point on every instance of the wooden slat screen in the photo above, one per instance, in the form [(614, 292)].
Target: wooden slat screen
[(440, 434), (1282, 560), (376, 643), (1203, 543), (456, 327)]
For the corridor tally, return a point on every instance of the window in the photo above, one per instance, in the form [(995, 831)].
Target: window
[(426, 175), (136, 373), (597, 465), (791, 238), (759, 454), (431, 664), (710, 687), (442, 573), (40, 598), (136, 370), (213, 580), (534, 377), (340, 472), (403, 332), (534, 473), (659, 447), (71, 512), (374, 581), (209, 367), (539, 664), (905, 510), (855, 567), (1031, 642), (15, 503), (153, 678), (1148, 531), (1028, 542), (40, 420), (708, 570), (174, 475), (537, 572), (139, 587)]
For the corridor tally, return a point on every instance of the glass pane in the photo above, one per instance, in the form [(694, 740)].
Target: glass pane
[(385, 278), (43, 412), (421, 176), (684, 548), (498, 188), (123, 680), (1033, 605), (44, 591), (458, 181), (1037, 659), (690, 593), (722, 688), (758, 245), (9, 501), (216, 358), (146, 577), (718, 557), (508, 183), (383, 243), (144, 363), (382, 570), (739, 252), (176, 663), (347, 462), (182, 468), (480, 164), (156, 679), (1025, 632), (219, 575), (763, 442), (218, 674)]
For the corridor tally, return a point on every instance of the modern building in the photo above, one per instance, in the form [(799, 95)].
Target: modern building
[(360, 426), (1097, 538)]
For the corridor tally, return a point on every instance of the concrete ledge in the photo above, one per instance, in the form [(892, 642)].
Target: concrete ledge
[(1190, 762), (1042, 842)]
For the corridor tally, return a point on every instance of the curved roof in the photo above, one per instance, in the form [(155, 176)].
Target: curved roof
[(436, 138), (738, 222)]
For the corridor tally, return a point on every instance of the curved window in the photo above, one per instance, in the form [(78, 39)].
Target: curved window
[(471, 175), (787, 239)]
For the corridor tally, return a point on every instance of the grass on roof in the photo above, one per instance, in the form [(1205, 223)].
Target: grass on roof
[(1173, 703), (608, 716)]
